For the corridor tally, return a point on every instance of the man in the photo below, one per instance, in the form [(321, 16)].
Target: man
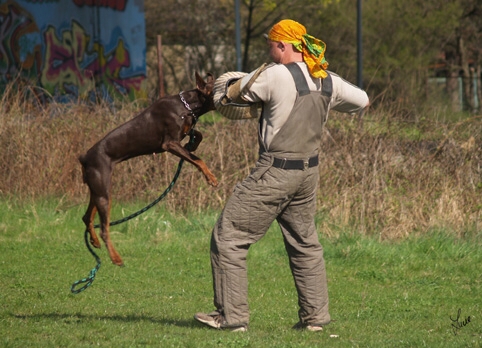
[(297, 93)]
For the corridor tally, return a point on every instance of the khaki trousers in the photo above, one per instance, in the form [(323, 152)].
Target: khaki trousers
[(268, 194)]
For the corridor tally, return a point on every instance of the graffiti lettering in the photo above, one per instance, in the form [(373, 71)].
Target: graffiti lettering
[(19, 41), (70, 68), (68, 58), (63, 58)]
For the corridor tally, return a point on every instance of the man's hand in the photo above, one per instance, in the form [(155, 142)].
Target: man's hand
[(233, 94)]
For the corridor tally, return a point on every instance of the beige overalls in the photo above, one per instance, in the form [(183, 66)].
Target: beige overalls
[(282, 187)]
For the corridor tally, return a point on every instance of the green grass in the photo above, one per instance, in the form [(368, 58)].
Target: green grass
[(381, 294)]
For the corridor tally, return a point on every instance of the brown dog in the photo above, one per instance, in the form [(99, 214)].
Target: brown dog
[(159, 128)]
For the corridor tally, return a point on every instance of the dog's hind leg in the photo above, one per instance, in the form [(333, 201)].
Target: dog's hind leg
[(88, 219), (89, 215), (103, 206), (100, 189), (97, 175)]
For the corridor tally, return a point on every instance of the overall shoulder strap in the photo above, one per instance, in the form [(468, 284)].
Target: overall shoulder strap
[(302, 85), (327, 89), (299, 77)]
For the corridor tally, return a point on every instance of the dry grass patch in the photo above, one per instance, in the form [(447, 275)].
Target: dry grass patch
[(387, 176)]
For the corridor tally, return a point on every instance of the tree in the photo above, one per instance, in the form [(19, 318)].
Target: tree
[(194, 36), (401, 40), (464, 54)]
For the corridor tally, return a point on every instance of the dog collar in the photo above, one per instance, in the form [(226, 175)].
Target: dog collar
[(191, 112), (186, 104)]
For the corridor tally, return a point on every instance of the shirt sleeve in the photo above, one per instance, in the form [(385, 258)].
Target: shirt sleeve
[(346, 97), (259, 90)]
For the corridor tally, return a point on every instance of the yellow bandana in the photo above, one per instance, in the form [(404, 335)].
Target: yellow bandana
[(312, 48)]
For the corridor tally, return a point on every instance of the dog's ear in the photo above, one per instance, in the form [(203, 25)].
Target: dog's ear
[(205, 87)]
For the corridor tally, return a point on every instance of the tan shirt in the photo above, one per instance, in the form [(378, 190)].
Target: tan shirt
[(276, 88)]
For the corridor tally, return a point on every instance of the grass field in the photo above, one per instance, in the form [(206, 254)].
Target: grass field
[(409, 293)]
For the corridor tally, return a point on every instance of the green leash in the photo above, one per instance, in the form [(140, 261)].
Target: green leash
[(87, 281), (90, 278)]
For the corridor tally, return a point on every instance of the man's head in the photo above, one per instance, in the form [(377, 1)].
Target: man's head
[(289, 42), (288, 31), (283, 52)]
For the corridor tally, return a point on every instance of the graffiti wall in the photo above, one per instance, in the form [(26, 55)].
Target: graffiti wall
[(75, 48)]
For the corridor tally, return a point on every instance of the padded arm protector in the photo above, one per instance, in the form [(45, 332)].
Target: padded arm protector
[(234, 92)]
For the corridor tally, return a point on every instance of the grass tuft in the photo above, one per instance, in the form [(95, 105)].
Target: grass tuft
[(387, 177)]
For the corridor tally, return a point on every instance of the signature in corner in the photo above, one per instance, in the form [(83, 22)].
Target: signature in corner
[(457, 324)]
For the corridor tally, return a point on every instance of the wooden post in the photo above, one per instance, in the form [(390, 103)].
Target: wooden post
[(159, 66), (161, 83)]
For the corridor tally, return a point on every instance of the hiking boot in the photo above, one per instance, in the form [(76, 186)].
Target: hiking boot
[(216, 320), (310, 327), (212, 319)]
